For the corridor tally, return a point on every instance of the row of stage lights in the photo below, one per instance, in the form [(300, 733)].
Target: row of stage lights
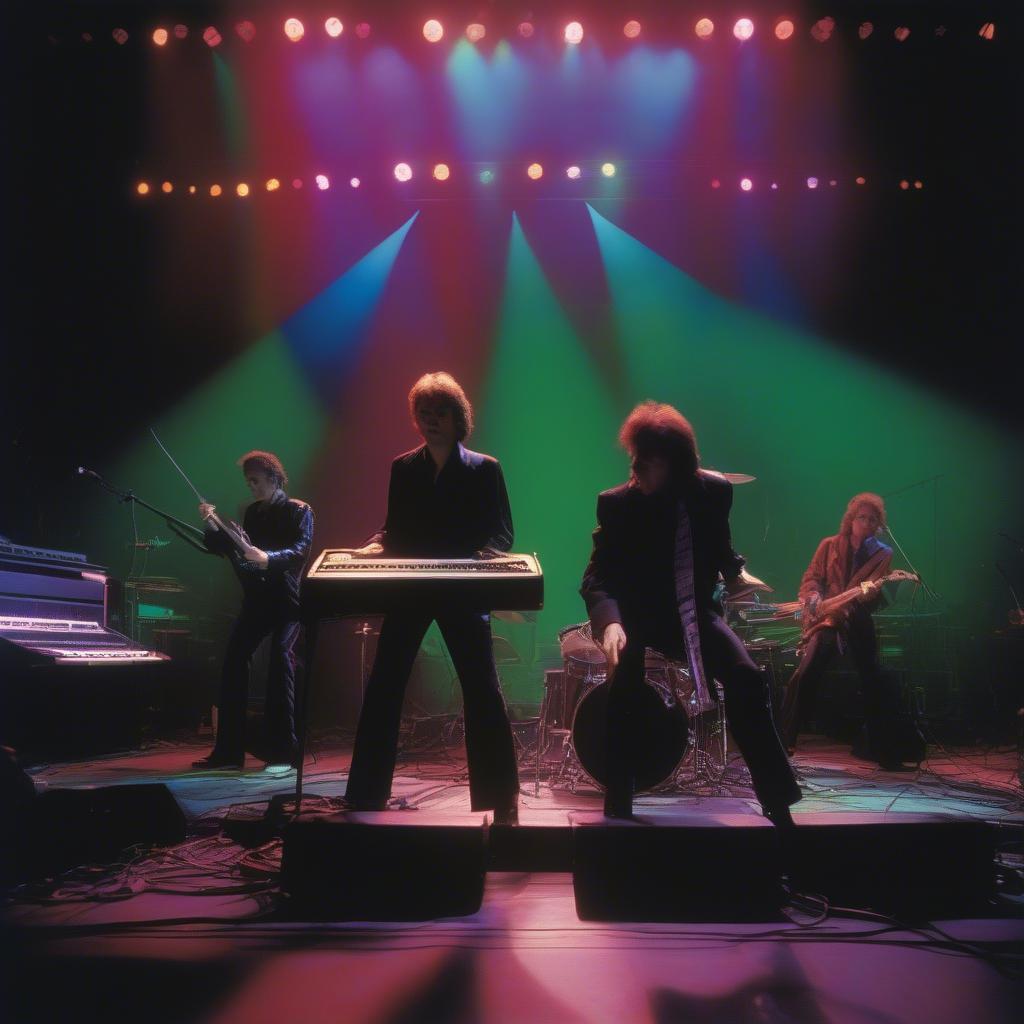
[(442, 172), (433, 31)]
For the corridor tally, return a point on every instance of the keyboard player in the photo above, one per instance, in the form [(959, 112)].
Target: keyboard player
[(444, 501)]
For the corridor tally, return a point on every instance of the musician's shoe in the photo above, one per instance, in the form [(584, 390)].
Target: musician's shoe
[(217, 762), (894, 764), (507, 815)]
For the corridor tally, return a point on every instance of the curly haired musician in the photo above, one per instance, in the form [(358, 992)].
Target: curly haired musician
[(661, 543), (853, 556), (444, 501), (278, 531)]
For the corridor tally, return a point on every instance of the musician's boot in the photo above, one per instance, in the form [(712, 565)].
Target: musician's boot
[(215, 761)]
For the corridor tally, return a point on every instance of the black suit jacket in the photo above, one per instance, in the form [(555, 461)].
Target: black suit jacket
[(631, 574), (465, 510)]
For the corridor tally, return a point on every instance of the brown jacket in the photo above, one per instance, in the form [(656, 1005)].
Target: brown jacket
[(829, 571)]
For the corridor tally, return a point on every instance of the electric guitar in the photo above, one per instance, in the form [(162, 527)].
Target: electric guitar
[(239, 540)]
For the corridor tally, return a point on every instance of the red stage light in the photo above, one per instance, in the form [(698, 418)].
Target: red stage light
[(211, 36), (403, 172), (215, 190), (294, 29), (860, 180), (296, 183), (535, 171), (704, 28), (167, 188), (525, 29), (715, 183), (273, 184), (442, 172), (160, 36), (988, 30), (574, 33), (333, 27), (191, 190), (904, 184), (363, 30), (246, 31), (120, 36), (743, 29), (433, 31), (902, 34), (784, 29), (631, 29), (746, 184), (181, 31), (866, 28), (475, 32), (918, 184), (142, 188), (323, 182), (821, 30)]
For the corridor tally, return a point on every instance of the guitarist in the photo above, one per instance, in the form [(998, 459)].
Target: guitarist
[(852, 557), (268, 554)]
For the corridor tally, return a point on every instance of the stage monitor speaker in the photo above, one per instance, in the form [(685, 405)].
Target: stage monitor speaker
[(383, 866), (666, 868)]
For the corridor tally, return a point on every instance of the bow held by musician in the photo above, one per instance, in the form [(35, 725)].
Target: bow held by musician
[(268, 553), (661, 543), (444, 501)]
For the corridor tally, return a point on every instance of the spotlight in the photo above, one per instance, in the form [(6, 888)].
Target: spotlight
[(294, 29), (988, 30), (215, 190), (860, 180), (242, 189), (181, 31), (865, 29), (631, 29), (442, 172), (167, 188), (821, 30), (832, 183), (323, 182), (574, 33), (191, 190), (784, 29), (160, 36), (918, 184), (246, 31), (296, 183), (904, 184), (86, 37), (475, 32), (812, 182), (572, 173), (354, 182), (120, 36), (363, 30), (525, 29), (273, 184), (704, 28), (535, 171), (142, 188), (211, 37), (608, 170), (902, 34), (940, 31), (333, 27), (433, 31), (487, 176), (774, 186), (746, 184), (715, 183), (743, 29), (403, 172)]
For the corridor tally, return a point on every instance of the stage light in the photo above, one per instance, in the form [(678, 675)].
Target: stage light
[(608, 170), (631, 29), (191, 190), (442, 172), (812, 182), (572, 173), (940, 30), (246, 31), (142, 188), (715, 183), (363, 30), (860, 180), (181, 31), (774, 186), (211, 37), (988, 30), (160, 36), (822, 29), (294, 29), (535, 172), (86, 37), (296, 183), (167, 188), (904, 184), (215, 190), (784, 29), (475, 32), (333, 27), (273, 184), (743, 29), (403, 172), (704, 28), (902, 34), (354, 182), (832, 183), (746, 184), (486, 176), (120, 36), (574, 33), (241, 190), (918, 184), (525, 29), (865, 29), (323, 182), (433, 31)]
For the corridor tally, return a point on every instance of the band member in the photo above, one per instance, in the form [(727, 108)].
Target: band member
[(661, 543), (444, 501), (854, 555), (278, 531)]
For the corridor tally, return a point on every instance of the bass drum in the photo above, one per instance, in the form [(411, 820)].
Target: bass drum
[(661, 724)]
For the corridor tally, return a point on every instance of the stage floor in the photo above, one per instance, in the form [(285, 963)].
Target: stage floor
[(201, 932)]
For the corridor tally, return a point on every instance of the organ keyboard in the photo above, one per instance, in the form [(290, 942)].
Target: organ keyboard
[(69, 642)]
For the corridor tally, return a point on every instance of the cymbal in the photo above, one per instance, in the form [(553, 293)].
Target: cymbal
[(739, 478)]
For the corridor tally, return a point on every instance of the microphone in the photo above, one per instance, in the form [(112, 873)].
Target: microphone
[(82, 471)]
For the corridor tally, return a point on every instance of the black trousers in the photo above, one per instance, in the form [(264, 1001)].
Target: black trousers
[(881, 700), (490, 752), (256, 621), (747, 707)]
